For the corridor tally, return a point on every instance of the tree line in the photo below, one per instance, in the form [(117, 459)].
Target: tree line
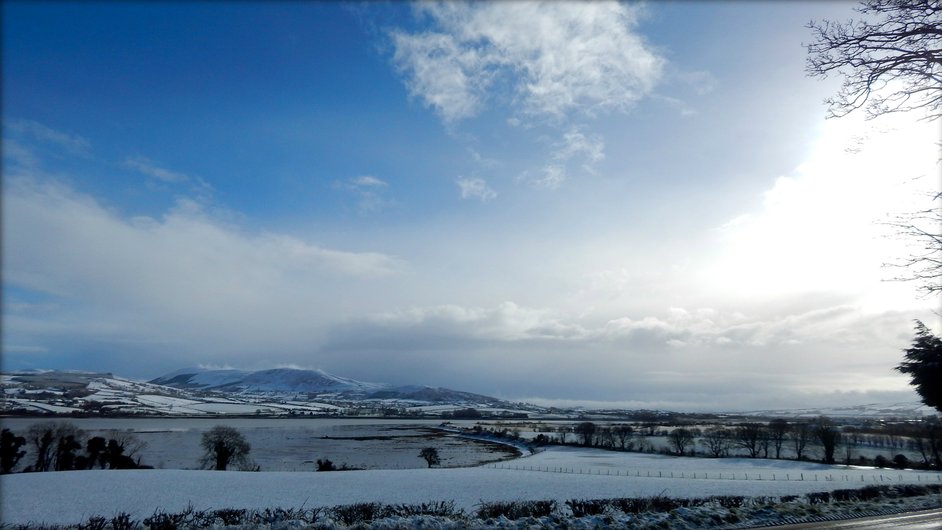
[(61, 446), (778, 439)]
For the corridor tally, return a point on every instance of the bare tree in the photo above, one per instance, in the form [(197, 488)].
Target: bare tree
[(828, 436), (223, 446), (890, 59), (680, 440), (717, 441), (749, 436), (129, 444), (587, 430), (927, 440), (563, 431), (605, 437), (800, 435), (922, 229), (778, 428), (623, 434), (55, 444)]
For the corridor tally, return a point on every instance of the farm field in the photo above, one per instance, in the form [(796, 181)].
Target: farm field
[(71, 497)]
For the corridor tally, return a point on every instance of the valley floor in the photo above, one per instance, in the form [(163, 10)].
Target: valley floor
[(558, 473)]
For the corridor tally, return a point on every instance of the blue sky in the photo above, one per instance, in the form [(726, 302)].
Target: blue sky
[(634, 204)]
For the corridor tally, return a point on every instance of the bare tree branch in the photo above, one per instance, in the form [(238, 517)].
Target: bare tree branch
[(891, 61)]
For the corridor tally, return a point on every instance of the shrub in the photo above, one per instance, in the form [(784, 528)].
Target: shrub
[(515, 509), (363, 512), (94, 523), (730, 501), (168, 521), (325, 465), (230, 516), (900, 461), (820, 497), (122, 521), (435, 509)]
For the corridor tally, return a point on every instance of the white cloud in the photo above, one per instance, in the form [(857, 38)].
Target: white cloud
[(186, 278), (368, 181), (819, 228), (73, 143), (549, 177), (576, 144), (556, 57), (507, 321), (147, 167), (475, 188), (372, 192), (682, 357)]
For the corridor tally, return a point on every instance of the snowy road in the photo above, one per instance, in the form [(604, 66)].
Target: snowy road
[(925, 520)]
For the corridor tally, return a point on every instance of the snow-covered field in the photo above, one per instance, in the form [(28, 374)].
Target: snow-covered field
[(284, 444), (71, 497)]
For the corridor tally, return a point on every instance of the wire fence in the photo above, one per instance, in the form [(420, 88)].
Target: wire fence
[(866, 478)]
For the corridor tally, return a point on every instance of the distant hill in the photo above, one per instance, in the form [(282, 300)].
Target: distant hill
[(908, 409), (277, 380), (293, 381), (198, 391)]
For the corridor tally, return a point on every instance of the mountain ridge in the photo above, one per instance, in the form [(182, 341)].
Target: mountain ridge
[(312, 382)]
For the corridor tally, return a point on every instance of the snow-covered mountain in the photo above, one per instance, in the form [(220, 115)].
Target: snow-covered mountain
[(197, 391), (277, 380), (294, 382), (432, 395)]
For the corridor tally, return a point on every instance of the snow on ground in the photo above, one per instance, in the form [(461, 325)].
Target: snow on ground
[(42, 406), (73, 496)]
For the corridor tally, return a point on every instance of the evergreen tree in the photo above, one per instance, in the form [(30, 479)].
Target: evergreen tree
[(923, 364)]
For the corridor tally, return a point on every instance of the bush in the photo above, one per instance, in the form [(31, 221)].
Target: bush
[(844, 495), (230, 516), (435, 509), (820, 497), (168, 521), (584, 508), (515, 509), (900, 461), (730, 501), (122, 521), (325, 465), (363, 512)]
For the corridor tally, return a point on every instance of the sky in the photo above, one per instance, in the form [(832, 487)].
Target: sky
[(600, 204)]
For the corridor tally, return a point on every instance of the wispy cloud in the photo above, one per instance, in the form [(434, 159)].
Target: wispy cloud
[(540, 63), (147, 167), (372, 192), (556, 57), (549, 177), (72, 143), (475, 188), (576, 144)]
